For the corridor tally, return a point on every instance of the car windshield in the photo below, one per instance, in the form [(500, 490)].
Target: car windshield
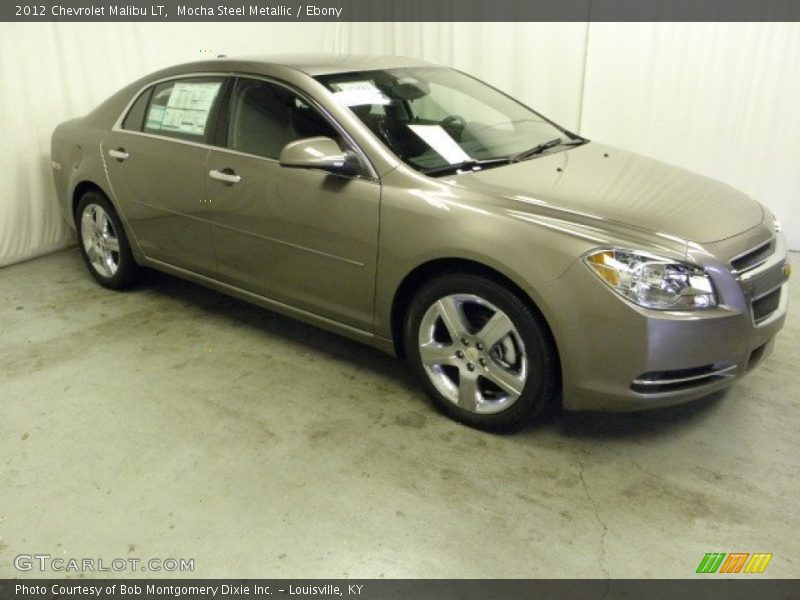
[(438, 120)]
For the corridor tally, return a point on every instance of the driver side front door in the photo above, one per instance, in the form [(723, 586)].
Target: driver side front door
[(302, 237)]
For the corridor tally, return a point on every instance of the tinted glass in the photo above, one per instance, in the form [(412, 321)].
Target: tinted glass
[(134, 120), (265, 117), (183, 108)]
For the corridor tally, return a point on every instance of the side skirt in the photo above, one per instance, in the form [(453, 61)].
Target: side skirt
[(359, 335)]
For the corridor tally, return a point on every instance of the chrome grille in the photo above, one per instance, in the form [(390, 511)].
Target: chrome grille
[(753, 258), (766, 305)]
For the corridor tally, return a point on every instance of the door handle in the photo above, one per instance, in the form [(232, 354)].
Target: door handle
[(119, 154), (226, 175)]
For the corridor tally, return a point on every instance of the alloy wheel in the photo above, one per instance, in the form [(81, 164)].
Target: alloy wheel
[(473, 353), (100, 241)]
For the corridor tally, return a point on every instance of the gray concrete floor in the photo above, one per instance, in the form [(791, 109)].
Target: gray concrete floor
[(171, 421)]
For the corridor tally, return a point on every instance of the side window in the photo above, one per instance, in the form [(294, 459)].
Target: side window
[(134, 120), (265, 117), (183, 108)]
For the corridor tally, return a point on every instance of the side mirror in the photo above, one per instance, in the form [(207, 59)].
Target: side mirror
[(318, 153)]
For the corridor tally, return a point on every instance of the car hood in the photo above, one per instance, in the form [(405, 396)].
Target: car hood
[(609, 184)]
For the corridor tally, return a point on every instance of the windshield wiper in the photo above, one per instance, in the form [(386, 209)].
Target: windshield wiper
[(538, 149), (467, 165)]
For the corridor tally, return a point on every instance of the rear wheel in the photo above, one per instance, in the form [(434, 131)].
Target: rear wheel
[(103, 243), (482, 354)]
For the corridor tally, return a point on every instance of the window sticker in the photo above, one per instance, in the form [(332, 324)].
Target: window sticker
[(438, 139), (188, 108), (155, 117), (359, 93), (184, 121), (193, 96)]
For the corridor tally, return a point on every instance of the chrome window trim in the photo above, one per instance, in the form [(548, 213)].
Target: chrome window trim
[(117, 127)]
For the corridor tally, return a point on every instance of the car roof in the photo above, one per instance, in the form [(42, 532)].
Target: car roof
[(313, 64)]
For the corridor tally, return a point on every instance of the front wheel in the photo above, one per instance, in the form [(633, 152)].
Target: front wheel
[(484, 356)]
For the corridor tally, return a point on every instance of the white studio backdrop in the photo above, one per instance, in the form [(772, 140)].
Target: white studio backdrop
[(51, 72), (718, 98), (721, 99)]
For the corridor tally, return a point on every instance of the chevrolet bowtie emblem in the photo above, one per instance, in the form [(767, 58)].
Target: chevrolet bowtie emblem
[(787, 269)]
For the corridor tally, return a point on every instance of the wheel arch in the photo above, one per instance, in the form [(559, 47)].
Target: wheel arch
[(83, 186), (88, 185), (443, 266)]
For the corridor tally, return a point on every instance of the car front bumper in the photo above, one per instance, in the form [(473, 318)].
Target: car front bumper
[(617, 356)]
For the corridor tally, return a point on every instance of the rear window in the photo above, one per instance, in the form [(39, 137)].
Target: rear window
[(183, 108)]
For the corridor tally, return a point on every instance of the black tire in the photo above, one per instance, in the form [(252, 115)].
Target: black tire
[(530, 337), (122, 269)]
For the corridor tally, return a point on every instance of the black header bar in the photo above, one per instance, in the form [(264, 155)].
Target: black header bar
[(400, 10)]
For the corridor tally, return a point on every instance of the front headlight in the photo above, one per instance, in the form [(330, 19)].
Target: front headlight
[(652, 281)]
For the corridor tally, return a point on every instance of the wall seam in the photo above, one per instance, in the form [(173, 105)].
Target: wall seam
[(582, 94)]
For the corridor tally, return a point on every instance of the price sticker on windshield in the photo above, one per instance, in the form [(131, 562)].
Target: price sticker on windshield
[(360, 93)]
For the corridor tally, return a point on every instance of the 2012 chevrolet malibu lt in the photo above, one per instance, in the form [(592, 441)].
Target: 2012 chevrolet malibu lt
[(417, 209)]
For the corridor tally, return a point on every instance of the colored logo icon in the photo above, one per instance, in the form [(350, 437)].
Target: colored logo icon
[(734, 562)]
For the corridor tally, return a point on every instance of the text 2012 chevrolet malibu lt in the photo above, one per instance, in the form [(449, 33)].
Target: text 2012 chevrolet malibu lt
[(417, 209)]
